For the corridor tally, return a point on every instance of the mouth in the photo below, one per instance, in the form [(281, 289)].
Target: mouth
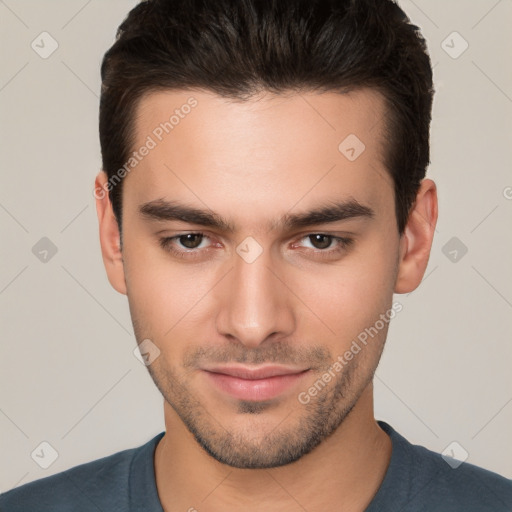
[(256, 384)]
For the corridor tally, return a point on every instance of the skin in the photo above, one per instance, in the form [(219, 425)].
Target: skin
[(296, 304)]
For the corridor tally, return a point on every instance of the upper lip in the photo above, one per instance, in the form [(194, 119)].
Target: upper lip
[(261, 372)]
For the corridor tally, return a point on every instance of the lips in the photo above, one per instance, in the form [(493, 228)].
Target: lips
[(261, 383)]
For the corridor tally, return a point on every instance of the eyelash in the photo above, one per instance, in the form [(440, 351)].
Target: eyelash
[(166, 243)]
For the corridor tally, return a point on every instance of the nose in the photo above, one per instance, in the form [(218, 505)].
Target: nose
[(255, 303)]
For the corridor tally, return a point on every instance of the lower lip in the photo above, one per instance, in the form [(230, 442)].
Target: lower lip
[(257, 389)]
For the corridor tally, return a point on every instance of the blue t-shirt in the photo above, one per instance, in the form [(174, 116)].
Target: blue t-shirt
[(417, 480)]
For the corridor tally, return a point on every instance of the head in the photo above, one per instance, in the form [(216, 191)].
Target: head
[(262, 198)]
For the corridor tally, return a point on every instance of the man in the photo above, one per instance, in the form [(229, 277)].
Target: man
[(262, 198)]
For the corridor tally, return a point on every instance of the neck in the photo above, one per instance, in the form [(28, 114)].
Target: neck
[(344, 472)]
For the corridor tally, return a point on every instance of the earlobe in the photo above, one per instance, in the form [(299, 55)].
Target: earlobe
[(110, 239), (416, 241)]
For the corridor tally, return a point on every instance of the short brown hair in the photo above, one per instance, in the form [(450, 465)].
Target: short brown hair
[(236, 48)]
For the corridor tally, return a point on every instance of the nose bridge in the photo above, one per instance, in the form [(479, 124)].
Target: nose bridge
[(254, 304)]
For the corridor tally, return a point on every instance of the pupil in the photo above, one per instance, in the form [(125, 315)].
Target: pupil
[(189, 240), (318, 238)]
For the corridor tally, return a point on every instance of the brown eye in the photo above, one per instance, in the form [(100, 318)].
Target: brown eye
[(320, 241), (191, 240), (322, 245), (186, 244)]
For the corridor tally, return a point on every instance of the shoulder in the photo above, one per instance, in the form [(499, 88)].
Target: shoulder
[(465, 486), (79, 488), (435, 482), (102, 484)]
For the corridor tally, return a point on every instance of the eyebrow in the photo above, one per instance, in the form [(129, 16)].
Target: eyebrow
[(333, 211)]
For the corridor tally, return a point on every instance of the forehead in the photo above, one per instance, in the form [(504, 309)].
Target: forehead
[(265, 154)]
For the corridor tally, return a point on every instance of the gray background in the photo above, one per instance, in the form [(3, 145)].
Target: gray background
[(68, 375)]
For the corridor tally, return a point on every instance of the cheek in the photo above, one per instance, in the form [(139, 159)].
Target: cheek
[(166, 297), (351, 297)]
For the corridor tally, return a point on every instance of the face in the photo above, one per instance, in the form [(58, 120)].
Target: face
[(253, 240)]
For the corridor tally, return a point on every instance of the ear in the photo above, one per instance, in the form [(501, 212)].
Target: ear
[(110, 238), (416, 241)]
